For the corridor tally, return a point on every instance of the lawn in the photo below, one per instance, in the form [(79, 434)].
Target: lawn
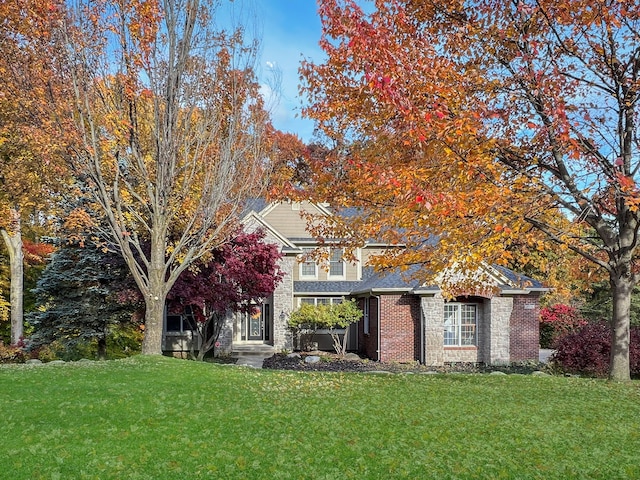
[(161, 418)]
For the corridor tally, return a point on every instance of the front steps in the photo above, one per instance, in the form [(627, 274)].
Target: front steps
[(251, 355)]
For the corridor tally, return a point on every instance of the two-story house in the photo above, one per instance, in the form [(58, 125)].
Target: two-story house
[(403, 320)]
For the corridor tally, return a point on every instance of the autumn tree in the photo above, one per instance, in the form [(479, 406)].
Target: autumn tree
[(237, 277), (31, 169), (458, 126), (171, 128)]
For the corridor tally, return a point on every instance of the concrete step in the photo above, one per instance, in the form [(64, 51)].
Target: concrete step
[(249, 350)]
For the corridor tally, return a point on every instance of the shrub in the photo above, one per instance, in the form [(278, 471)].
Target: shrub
[(12, 353), (587, 351), (558, 321)]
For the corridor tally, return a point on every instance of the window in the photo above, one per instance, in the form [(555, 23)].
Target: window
[(336, 264), (308, 267), (460, 321), (320, 300), (365, 305), (181, 323)]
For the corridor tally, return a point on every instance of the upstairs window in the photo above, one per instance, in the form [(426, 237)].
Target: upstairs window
[(308, 267), (336, 263), (460, 324)]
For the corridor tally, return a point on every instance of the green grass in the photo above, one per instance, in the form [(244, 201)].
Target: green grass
[(157, 418)]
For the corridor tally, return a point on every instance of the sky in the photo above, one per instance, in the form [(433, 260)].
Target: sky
[(290, 32)]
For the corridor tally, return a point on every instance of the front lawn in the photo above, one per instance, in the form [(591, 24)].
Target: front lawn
[(161, 418)]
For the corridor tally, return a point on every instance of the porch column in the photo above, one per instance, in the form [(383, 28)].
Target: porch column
[(433, 316), (496, 345)]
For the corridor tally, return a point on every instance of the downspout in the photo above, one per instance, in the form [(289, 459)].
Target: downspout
[(377, 297), (422, 352)]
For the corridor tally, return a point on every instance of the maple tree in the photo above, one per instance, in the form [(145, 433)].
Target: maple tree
[(171, 130), (458, 126), (31, 169), (237, 277)]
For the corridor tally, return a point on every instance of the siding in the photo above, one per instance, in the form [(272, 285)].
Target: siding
[(287, 221)]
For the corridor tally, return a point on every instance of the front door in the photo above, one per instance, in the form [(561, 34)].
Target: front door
[(258, 324)]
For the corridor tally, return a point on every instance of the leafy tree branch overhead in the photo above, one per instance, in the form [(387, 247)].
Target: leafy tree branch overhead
[(458, 126)]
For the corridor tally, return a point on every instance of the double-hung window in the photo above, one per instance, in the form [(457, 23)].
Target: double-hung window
[(336, 263), (460, 324), (308, 267)]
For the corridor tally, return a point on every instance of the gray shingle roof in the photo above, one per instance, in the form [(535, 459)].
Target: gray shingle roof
[(328, 288)]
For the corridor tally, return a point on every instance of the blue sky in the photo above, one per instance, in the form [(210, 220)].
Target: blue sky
[(290, 32)]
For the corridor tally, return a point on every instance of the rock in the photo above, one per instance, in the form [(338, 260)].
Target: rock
[(84, 360), (497, 373), (293, 355), (352, 356), (56, 362), (312, 359), (380, 372), (538, 373), (430, 372), (33, 361)]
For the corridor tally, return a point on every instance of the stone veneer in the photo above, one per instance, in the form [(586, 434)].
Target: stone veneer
[(493, 333), (497, 332), (433, 315), (283, 304)]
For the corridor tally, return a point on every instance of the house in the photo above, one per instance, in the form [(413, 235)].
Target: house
[(404, 320)]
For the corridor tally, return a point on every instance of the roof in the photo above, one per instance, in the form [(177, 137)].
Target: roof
[(336, 288)]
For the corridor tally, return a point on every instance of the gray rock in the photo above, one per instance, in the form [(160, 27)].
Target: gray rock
[(538, 373), (33, 361), (430, 372), (380, 372), (497, 373), (312, 359), (56, 362), (293, 355), (352, 356)]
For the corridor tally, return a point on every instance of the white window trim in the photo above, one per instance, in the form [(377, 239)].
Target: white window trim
[(302, 263), (458, 326), (343, 276)]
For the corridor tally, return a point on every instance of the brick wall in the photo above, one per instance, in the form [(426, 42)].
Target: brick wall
[(525, 335), (400, 328)]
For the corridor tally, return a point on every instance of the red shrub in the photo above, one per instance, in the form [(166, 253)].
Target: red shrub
[(587, 351), (556, 322)]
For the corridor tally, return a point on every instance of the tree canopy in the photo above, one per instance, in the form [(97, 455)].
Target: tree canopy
[(237, 277), (458, 126), (171, 132)]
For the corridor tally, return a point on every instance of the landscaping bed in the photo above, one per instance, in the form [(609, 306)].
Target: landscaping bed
[(330, 362)]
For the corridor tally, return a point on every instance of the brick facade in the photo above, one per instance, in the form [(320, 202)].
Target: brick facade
[(524, 326), (400, 328), (507, 330)]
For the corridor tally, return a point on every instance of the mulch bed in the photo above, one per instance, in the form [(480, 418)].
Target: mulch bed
[(333, 363)]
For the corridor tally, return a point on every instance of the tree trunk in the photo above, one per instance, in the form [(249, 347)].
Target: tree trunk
[(621, 289), (16, 258), (156, 296), (102, 348), (153, 322)]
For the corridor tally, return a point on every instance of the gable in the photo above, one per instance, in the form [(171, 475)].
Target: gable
[(285, 217)]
